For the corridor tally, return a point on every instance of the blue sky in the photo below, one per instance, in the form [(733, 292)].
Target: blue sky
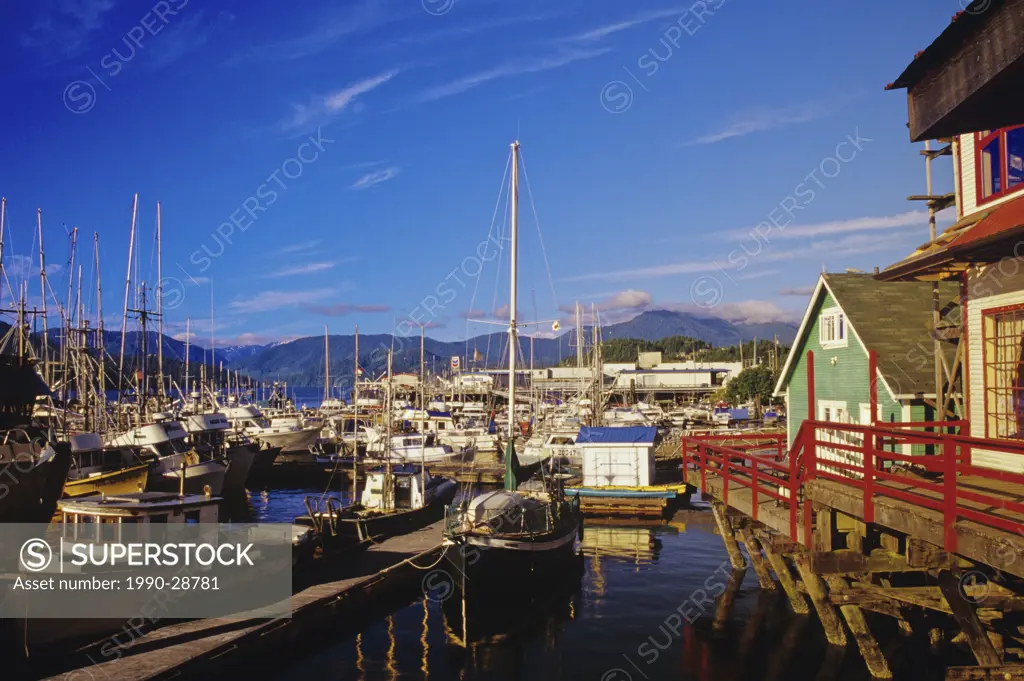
[(340, 162)]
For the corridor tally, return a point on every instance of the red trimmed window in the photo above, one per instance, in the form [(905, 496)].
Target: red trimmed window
[(999, 162), (1003, 344)]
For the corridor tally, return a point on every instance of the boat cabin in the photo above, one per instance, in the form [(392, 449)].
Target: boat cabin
[(101, 517), (245, 417), (90, 457), (207, 431), (158, 439), (403, 492)]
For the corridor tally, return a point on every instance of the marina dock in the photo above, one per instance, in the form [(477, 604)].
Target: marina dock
[(203, 648), (903, 536)]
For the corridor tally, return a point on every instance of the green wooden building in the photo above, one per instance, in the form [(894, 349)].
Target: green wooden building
[(847, 316)]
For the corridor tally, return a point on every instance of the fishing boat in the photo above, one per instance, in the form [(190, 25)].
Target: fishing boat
[(34, 465), (97, 469), (396, 500), (509, 537), (207, 433), (290, 437), (410, 447), (176, 465)]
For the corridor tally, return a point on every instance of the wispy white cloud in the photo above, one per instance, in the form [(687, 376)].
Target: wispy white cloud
[(267, 301), (742, 312), (65, 27), (760, 121), (600, 32), (757, 275), (686, 267), (186, 36), (740, 257), (342, 309), (327, 30), (797, 291), (376, 177), (299, 246), (322, 109), (307, 268), (913, 218), (508, 69), (628, 300)]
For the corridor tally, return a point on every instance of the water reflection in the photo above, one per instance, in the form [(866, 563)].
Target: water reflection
[(598, 620)]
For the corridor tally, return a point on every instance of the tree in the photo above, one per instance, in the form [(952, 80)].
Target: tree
[(755, 381)]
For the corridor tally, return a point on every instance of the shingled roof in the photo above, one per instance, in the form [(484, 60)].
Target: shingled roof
[(894, 319)]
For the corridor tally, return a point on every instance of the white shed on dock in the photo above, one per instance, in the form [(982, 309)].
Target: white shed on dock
[(617, 457)]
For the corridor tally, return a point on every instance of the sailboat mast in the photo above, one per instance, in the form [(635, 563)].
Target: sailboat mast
[(188, 338), (100, 338), (423, 417), (127, 292), (514, 267), (159, 302), (42, 286), (327, 365), (3, 224)]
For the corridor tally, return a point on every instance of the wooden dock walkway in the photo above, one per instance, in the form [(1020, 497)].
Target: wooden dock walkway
[(851, 521), (199, 648)]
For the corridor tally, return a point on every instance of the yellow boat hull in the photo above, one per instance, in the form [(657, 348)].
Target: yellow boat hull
[(124, 481)]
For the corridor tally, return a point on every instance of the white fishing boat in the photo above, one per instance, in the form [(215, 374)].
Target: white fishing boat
[(208, 434), (459, 434), (558, 445), (165, 443), (290, 436), (411, 447)]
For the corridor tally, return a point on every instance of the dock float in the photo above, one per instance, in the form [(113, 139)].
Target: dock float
[(648, 502), (323, 612)]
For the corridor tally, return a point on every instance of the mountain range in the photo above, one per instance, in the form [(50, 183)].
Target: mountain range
[(301, 361)]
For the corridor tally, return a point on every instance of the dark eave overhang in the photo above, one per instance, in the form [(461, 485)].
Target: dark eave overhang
[(971, 77)]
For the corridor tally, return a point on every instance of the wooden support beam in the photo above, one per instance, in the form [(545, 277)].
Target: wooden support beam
[(904, 625), (728, 536), (779, 544), (967, 618), (764, 575), (797, 601), (842, 562), (834, 631), (1005, 673), (866, 641), (723, 608), (925, 554)]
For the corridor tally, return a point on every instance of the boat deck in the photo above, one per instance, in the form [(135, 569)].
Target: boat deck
[(197, 648)]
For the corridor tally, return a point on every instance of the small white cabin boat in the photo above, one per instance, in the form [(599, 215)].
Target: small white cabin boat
[(412, 448), (290, 436), (208, 434), (166, 444)]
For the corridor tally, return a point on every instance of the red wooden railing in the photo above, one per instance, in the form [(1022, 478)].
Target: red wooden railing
[(874, 456)]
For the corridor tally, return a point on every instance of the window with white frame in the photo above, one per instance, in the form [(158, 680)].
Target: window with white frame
[(834, 411), (832, 328)]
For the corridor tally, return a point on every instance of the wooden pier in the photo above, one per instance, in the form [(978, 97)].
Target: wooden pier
[(360, 587), (931, 541)]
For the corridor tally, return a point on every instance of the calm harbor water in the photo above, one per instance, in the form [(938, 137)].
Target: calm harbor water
[(625, 619), (640, 611)]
